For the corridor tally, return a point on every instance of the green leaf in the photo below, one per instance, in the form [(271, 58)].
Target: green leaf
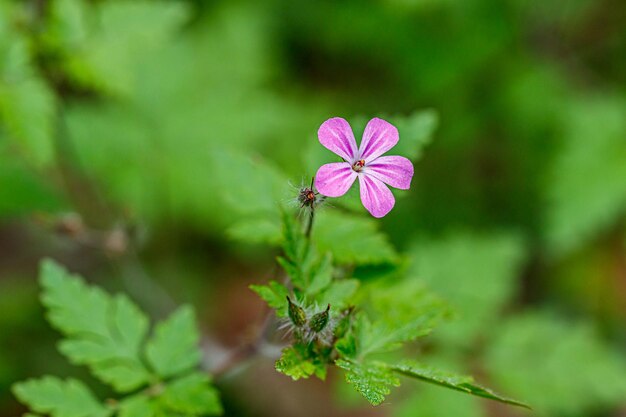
[(351, 239), (561, 367), (321, 276), (403, 311), (190, 395), (174, 346), (27, 107), (339, 294), (275, 295), (587, 188), (456, 382), (298, 362), (263, 230), (139, 405), (416, 131), (59, 398), (372, 380), (105, 44), (475, 273), (102, 332)]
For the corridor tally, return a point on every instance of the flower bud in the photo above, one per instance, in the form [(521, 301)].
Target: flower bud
[(296, 314), (320, 320)]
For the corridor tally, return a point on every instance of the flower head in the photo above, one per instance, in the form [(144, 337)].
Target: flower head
[(365, 163)]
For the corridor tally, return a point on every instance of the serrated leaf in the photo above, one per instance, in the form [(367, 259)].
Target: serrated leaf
[(298, 362), (102, 332), (191, 395), (403, 311), (174, 346), (372, 380), (456, 382), (275, 295), (59, 398), (352, 240)]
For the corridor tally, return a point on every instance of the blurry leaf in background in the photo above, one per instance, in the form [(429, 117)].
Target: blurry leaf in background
[(433, 401), (561, 368), (587, 188), (103, 43), (475, 273), (352, 239), (59, 398), (191, 395), (27, 104), (22, 191), (103, 332), (174, 347)]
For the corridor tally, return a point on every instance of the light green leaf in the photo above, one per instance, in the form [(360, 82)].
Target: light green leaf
[(321, 276), (59, 398), (106, 55), (456, 382), (102, 332), (475, 273), (416, 131), (298, 362), (352, 239), (174, 346), (403, 311), (263, 230), (339, 294), (27, 113), (139, 405), (190, 395), (587, 188), (372, 380), (560, 367), (275, 295)]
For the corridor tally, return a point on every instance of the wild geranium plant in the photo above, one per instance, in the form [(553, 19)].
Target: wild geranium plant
[(320, 311)]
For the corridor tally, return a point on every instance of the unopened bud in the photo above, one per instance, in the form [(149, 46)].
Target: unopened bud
[(296, 314), (320, 320)]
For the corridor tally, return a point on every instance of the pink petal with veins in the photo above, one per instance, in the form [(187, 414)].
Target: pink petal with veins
[(336, 135), (379, 136), (334, 180), (375, 196), (396, 171)]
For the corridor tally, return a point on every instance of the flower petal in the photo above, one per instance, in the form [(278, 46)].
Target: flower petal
[(379, 136), (375, 196), (334, 180), (336, 135), (396, 171)]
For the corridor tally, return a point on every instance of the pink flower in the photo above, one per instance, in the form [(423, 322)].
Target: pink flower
[(364, 163)]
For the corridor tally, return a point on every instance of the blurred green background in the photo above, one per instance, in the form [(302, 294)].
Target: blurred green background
[(137, 138)]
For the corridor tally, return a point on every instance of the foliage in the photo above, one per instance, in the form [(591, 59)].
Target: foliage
[(108, 334), (344, 334), (541, 340)]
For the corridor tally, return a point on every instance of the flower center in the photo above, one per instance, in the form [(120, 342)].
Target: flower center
[(358, 165)]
